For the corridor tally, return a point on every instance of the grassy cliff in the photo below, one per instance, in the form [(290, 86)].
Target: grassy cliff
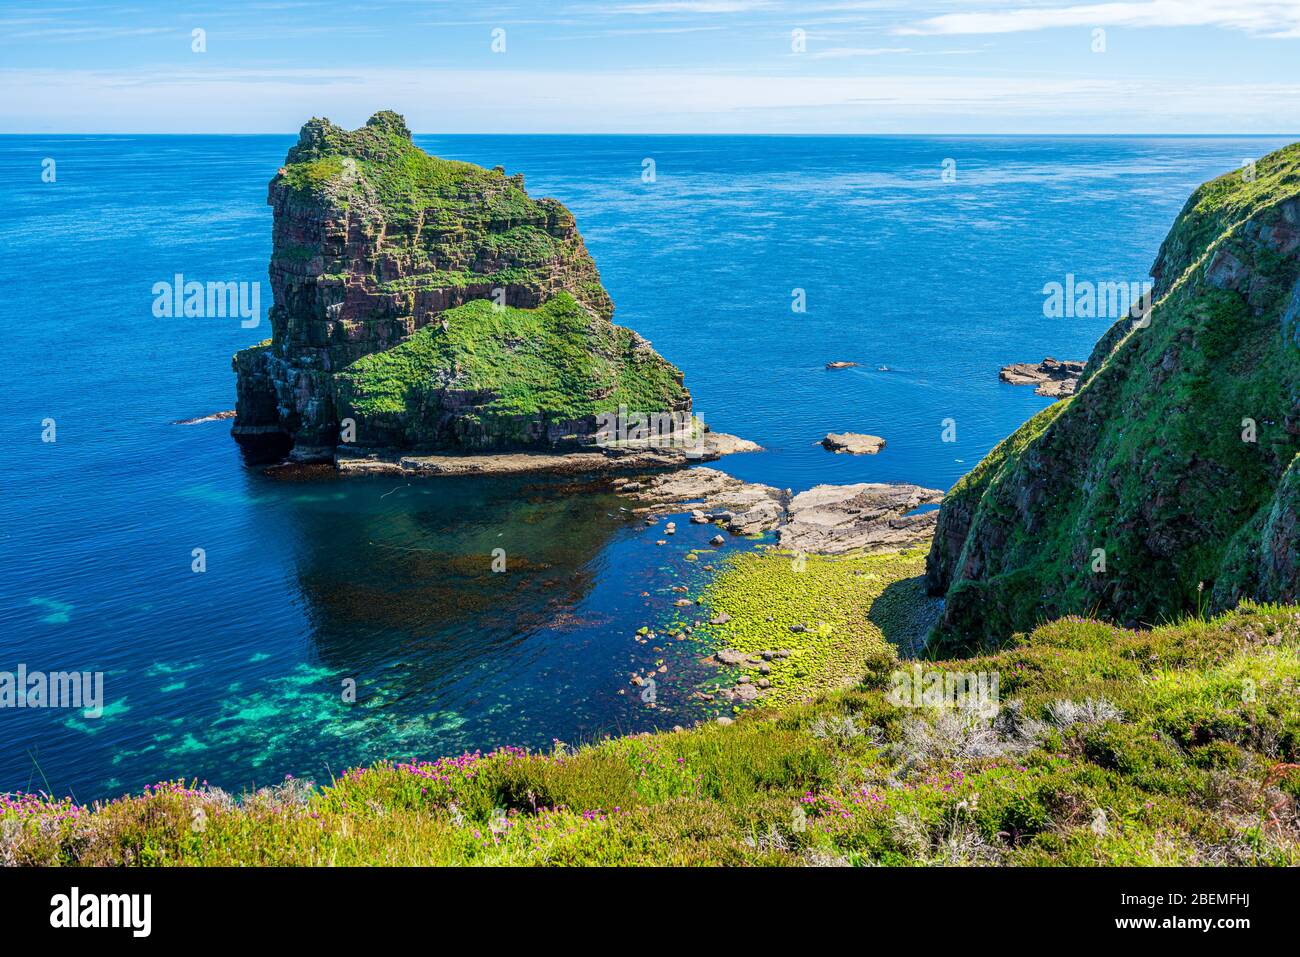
[(1160, 487)]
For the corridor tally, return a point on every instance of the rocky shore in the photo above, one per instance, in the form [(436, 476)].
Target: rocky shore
[(826, 519), (629, 457)]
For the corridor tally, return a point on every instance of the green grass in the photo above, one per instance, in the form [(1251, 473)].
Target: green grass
[(1174, 745), (1147, 460), (507, 369)]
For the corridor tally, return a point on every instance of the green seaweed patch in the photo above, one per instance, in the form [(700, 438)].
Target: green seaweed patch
[(819, 609)]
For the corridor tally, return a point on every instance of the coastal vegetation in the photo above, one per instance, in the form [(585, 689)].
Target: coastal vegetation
[(1109, 746)]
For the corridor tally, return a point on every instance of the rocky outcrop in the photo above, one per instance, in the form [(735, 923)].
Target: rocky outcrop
[(827, 519), (852, 443), (1052, 378), (426, 304), (833, 519), (1166, 483)]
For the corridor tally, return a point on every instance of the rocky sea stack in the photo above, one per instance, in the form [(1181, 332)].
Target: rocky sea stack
[(434, 305), (1167, 485)]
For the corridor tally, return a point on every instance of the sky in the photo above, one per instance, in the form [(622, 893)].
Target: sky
[(654, 66)]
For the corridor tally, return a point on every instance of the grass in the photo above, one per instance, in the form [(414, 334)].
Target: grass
[(1109, 746), (1170, 459), (504, 374)]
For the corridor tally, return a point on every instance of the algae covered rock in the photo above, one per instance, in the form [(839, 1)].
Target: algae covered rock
[(1165, 485), (435, 305)]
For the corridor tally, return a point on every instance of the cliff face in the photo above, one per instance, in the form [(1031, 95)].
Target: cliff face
[(1169, 483), (435, 304)]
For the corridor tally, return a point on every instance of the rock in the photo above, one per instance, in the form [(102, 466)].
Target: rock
[(731, 657), (763, 517), (637, 680), (1051, 377), (670, 529), (833, 519), (403, 278), (720, 619), (743, 679), (853, 443), (744, 692), (717, 540), (798, 629), (724, 720), (698, 517), (764, 683), (214, 417), (764, 669), (828, 519), (701, 489), (840, 365), (683, 602)]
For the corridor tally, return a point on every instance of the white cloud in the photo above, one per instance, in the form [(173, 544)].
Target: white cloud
[(187, 99), (1274, 18), (839, 53)]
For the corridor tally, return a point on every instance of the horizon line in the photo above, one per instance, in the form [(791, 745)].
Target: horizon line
[(1057, 135)]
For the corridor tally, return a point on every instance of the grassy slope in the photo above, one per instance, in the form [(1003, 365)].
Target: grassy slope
[(1147, 460), (553, 361), (1112, 747)]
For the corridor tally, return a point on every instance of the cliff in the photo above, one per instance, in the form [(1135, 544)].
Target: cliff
[(1167, 484), (436, 305)]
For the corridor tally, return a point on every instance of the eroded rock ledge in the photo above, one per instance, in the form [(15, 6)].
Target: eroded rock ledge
[(826, 519), (628, 457)]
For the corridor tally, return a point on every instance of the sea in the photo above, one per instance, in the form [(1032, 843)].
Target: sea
[(247, 627)]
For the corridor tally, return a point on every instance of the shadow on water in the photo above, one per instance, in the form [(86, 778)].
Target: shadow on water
[(424, 580)]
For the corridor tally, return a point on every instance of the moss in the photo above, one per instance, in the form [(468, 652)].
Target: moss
[(832, 599)]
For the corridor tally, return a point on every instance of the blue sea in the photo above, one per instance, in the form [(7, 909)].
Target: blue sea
[(237, 675)]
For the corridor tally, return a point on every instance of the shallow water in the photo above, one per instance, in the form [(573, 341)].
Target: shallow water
[(236, 675)]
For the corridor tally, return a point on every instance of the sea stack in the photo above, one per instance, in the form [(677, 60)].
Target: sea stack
[(428, 304)]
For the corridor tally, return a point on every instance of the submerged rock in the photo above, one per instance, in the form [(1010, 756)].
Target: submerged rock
[(1167, 483), (841, 365)]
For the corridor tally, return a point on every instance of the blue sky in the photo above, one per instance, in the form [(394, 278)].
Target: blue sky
[(864, 66)]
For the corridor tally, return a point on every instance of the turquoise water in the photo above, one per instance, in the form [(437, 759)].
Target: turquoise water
[(236, 675)]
